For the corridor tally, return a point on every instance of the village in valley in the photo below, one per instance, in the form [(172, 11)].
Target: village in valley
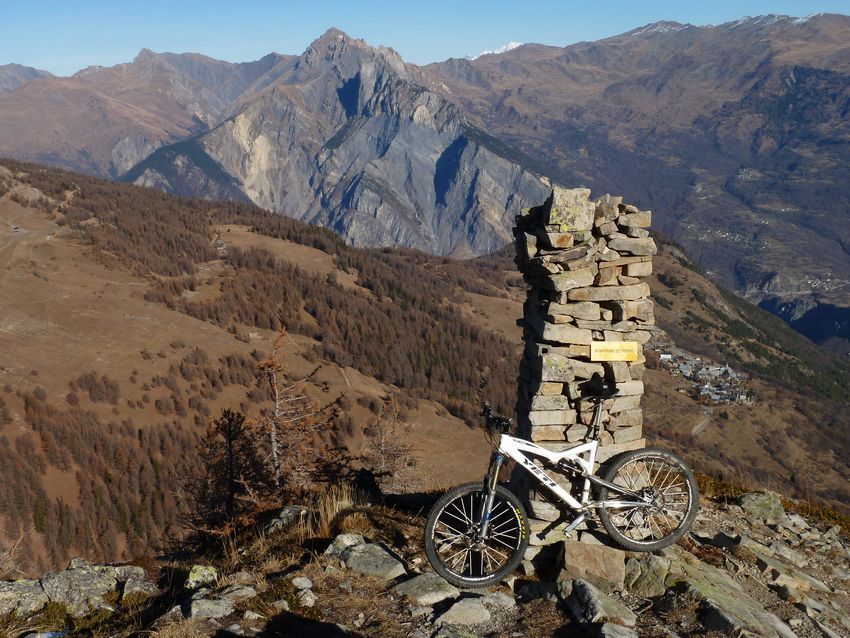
[(713, 383)]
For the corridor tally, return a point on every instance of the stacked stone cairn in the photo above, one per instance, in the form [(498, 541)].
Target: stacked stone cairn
[(584, 262)]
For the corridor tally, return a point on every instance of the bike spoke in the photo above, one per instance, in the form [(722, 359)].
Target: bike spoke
[(447, 526), (493, 538), (463, 517)]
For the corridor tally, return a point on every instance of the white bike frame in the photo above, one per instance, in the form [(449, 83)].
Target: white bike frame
[(517, 449)]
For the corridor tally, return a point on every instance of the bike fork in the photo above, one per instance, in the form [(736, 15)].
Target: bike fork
[(490, 481)]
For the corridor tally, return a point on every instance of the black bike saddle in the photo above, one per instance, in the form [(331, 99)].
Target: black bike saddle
[(597, 387)]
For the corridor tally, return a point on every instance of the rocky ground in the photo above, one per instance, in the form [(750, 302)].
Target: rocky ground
[(748, 568)]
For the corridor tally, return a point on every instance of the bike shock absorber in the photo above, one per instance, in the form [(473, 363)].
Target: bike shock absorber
[(491, 480)]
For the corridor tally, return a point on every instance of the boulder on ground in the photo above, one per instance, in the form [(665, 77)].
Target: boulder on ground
[(764, 506), (23, 597), (469, 611), (343, 542), (645, 576), (372, 560), (601, 565), (287, 517), (201, 575), (82, 590), (209, 608)]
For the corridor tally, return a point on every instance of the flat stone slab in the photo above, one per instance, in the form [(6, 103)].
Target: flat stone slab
[(609, 293), (572, 279), (427, 589), (499, 599), (571, 209), (729, 607), (372, 560), (469, 611), (639, 246), (207, 608), (238, 592)]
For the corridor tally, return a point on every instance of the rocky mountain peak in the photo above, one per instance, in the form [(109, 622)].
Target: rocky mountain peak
[(334, 43), (338, 52)]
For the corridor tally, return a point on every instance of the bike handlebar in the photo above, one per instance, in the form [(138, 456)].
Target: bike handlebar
[(495, 421)]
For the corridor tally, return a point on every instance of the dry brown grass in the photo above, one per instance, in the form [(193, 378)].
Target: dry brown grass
[(13, 627), (278, 551), (328, 509), (540, 617), (190, 628), (382, 613), (719, 489), (814, 513)]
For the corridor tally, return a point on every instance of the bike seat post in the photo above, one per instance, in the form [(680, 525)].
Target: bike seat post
[(597, 416)]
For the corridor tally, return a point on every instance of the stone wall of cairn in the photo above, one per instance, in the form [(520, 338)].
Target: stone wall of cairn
[(584, 262)]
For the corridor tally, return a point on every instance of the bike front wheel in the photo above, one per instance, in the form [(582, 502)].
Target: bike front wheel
[(668, 481), (455, 546)]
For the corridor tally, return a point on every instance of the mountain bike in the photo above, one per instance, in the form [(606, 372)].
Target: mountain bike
[(477, 534)]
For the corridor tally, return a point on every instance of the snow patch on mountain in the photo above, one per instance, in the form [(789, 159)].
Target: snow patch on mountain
[(503, 49)]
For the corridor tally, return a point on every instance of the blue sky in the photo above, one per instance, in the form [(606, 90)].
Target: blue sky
[(63, 37)]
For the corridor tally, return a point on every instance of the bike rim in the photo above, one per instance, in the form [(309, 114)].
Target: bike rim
[(459, 546), (664, 479)]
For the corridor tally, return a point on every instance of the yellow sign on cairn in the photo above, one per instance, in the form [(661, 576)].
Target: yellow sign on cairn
[(614, 351)]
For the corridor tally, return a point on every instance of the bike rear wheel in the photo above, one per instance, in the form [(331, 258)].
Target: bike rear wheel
[(664, 477), (454, 546)]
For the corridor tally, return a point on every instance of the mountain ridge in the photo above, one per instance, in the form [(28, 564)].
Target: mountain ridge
[(732, 133)]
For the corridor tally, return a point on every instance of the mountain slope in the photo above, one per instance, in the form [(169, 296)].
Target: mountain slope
[(736, 135), (102, 120), (347, 139), (13, 75)]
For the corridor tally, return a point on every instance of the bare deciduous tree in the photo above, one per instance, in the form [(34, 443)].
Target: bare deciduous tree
[(389, 452), (290, 425), (10, 558)]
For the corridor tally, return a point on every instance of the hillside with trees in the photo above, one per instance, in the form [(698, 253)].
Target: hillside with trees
[(132, 319)]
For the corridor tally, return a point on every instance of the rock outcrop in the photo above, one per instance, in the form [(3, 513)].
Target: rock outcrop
[(740, 574)]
